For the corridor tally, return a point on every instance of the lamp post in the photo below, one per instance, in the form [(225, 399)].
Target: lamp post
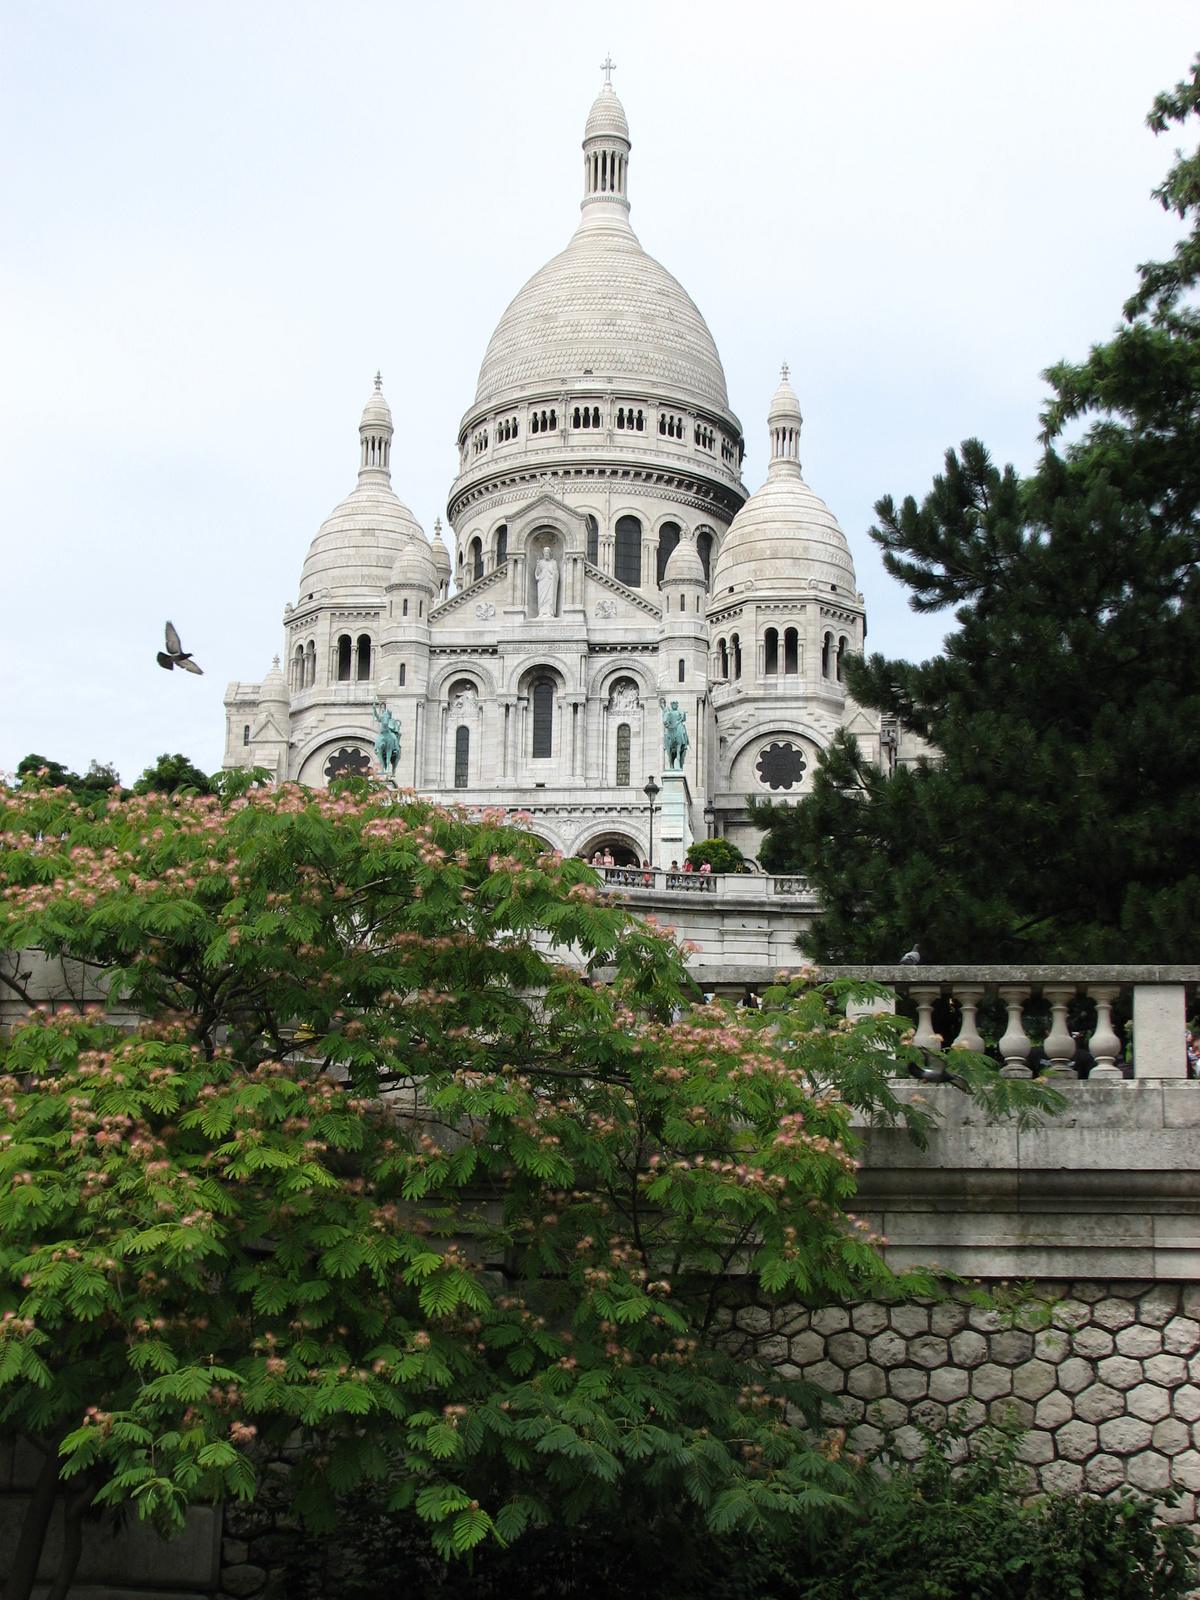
[(650, 791), (710, 822)]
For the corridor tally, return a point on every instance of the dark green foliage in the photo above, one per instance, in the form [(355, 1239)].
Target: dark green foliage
[(722, 855), (173, 772), (930, 1533), (1061, 819), (37, 771)]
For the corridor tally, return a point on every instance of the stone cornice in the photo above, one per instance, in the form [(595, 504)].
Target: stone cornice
[(666, 482)]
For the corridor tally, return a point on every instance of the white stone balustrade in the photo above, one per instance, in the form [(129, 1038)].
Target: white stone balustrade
[(1160, 994)]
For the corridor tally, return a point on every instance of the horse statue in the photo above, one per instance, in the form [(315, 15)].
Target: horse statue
[(387, 746), (675, 734)]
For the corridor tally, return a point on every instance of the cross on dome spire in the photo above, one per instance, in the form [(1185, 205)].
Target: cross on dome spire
[(783, 372), (379, 383), (608, 67)]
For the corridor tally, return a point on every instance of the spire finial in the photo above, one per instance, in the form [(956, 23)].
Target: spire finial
[(783, 372), (437, 526), (379, 383), (607, 67), (275, 664)]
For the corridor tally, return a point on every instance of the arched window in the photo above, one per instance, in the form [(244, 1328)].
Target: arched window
[(364, 657), (841, 653), (593, 540), (627, 552), (575, 418), (704, 544), (311, 658), (477, 559), (771, 651), (402, 674), (404, 608), (501, 544), (668, 538), (345, 657), (246, 734), (682, 670), (587, 417), (827, 656), (298, 668), (595, 416), (737, 656), (543, 720), (724, 649), (791, 652), (683, 603), (462, 756), (624, 740)]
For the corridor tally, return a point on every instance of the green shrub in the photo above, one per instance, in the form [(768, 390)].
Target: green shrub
[(721, 855)]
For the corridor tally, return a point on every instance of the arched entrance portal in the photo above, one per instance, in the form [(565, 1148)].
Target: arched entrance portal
[(624, 851)]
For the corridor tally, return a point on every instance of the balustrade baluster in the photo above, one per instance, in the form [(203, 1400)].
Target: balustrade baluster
[(925, 995), (1059, 1045), (1104, 1043), (1015, 1045), (969, 1036)]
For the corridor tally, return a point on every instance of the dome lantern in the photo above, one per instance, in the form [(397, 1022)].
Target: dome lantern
[(783, 422), (606, 156), (375, 434)]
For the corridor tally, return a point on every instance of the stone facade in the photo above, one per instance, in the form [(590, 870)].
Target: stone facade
[(600, 452), (1104, 1376)]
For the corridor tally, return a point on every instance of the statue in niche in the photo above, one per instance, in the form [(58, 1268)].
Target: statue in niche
[(546, 576), (387, 746), (675, 735)]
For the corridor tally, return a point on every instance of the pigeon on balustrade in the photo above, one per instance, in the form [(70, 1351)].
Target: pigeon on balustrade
[(176, 656), (911, 958)]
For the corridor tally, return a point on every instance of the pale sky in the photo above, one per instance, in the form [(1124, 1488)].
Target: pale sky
[(217, 221)]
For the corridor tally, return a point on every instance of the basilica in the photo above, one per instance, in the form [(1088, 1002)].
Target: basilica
[(616, 639)]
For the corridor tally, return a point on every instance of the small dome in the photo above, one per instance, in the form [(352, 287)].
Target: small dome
[(274, 689), (441, 556), (684, 564), (606, 119), (785, 537), (377, 413), (414, 568)]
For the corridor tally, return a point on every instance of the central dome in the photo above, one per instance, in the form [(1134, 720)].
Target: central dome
[(606, 309), (603, 309)]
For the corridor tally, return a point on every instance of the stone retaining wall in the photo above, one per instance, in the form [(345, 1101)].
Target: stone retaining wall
[(1104, 1375)]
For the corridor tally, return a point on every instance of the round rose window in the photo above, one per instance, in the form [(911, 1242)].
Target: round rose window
[(781, 766), (347, 763)]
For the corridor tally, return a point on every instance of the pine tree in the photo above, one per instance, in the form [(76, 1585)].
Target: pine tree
[(1060, 818)]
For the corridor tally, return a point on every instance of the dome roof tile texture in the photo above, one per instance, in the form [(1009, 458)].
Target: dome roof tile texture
[(606, 119), (606, 307), (783, 537), (359, 541)]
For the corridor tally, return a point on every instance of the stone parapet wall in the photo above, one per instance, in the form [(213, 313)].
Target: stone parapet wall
[(1105, 1376)]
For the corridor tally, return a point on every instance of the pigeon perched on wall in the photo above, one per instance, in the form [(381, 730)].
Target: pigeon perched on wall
[(912, 958), (176, 656)]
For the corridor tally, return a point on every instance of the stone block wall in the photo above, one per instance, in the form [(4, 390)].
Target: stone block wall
[(1105, 1376)]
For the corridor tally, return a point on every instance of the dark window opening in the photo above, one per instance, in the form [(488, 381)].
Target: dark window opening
[(668, 538), (543, 720), (624, 740), (501, 544), (477, 559), (593, 540), (724, 649), (827, 656), (841, 652), (771, 651), (682, 670), (364, 657), (402, 674), (737, 656), (404, 609), (704, 544), (345, 657), (462, 756), (627, 552), (791, 652), (246, 734)]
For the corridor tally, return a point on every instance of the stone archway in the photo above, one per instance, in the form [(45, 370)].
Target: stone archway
[(624, 850)]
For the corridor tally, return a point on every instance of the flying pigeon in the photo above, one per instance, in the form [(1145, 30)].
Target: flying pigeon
[(912, 958), (176, 656)]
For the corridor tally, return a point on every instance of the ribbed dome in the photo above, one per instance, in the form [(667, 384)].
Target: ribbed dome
[(414, 567), (441, 556), (607, 308), (359, 541), (377, 413), (274, 687), (606, 120), (783, 537), (684, 565)]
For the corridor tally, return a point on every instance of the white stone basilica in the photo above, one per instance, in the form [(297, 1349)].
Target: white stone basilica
[(607, 563)]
